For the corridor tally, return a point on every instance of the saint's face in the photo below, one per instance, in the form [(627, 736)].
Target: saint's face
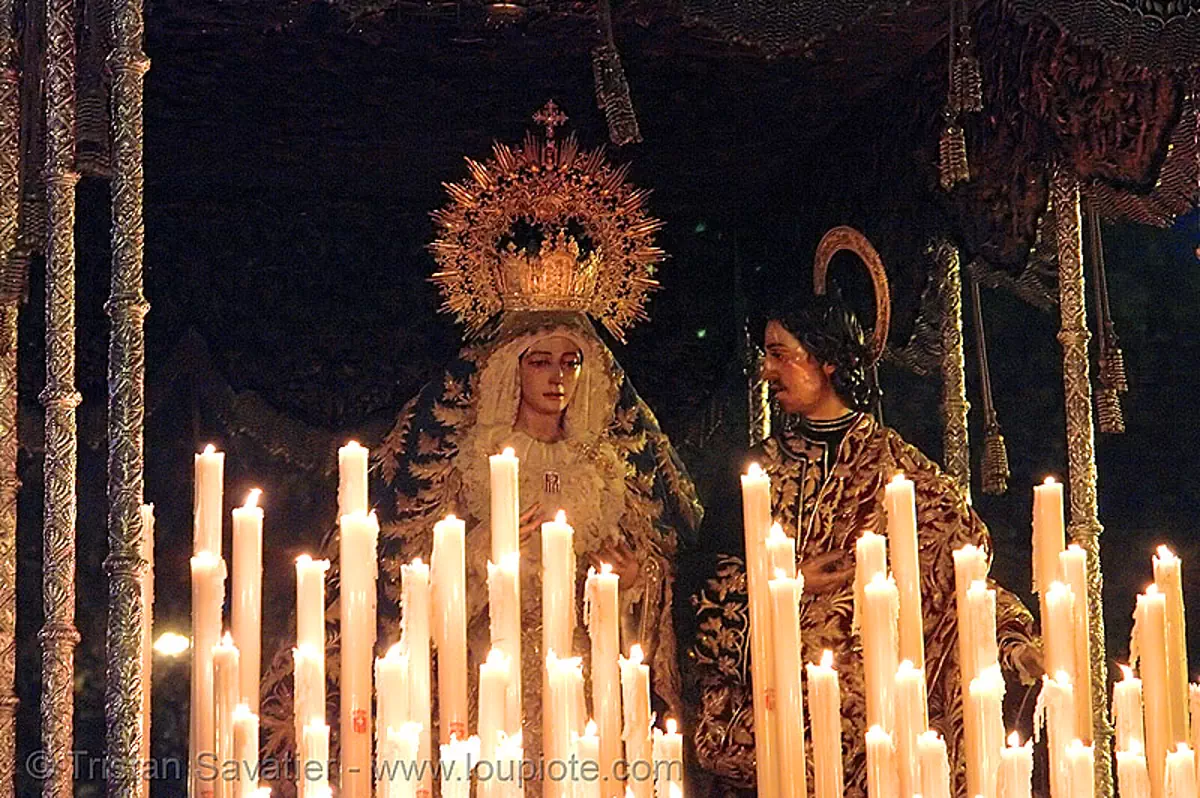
[(549, 374), (798, 380)]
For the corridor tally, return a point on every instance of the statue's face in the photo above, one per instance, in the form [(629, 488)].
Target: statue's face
[(550, 374), (798, 380)]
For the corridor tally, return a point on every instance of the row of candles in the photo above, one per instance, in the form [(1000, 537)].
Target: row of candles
[(225, 672), (1155, 745)]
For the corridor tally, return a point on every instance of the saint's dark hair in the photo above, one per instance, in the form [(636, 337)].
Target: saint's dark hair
[(829, 330)]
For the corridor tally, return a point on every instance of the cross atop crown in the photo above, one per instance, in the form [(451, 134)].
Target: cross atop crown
[(551, 116)]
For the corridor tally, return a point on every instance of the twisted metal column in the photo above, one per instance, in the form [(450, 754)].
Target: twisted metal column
[(956, 450), (59, 636), (1084, 526), (10, 200), (127, 680)]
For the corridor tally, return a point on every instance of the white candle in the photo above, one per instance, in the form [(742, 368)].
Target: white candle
[(756, 524), (900, 502), (352, 479), (934, 765), (310, 601), (1127, 712), (391, 691), (448, 580), (1073, 571), (825, 711), (1056, 710), (316, 758), (635, 695), (870, 558), (1181, 772), (504, 609), (506, 510), (1049, 532), (1058, 626), (225, 695), (247, 596), (781, 552), (1150, 639), (1016, 769), (1168, 578), (208, 594), (602, 615), (587, 747), (981, 606), (399, 752), (789, 695), (494, 676), (910, 723), (457, 758), (668, 760), (210, 476), (415, 621), (879, 644), (559, 714), (509, 755), (881, 765), (245, 751), (986, 701), (1133, 779), (1081, 765), (359, 536), (558, 585), (308, 698), (1194, 705), (970, 566)]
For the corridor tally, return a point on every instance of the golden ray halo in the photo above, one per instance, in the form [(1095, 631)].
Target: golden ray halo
[(547, 184)]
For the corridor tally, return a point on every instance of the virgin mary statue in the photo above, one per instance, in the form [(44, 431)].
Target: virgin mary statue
[(540, 238)]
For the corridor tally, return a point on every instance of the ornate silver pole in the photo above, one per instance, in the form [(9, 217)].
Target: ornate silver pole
[(955, 446), (1084, 526), (10, 200), (126, 682), (59, 636)]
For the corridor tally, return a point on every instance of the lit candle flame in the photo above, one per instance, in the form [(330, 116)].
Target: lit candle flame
[(560, 517), (755, 470), (606, 568), (1014, 740), (827, 659), (304, 559), (1062, 677), (451, 517), (1165, 553), (1152, 589), (776, 530), (509, 452), (170, 644), (495, 657), (252, 498), (1126, 671), (672, 726), (227, 640), (899, 477), (1050, 481), (591, 730), (210, 449), (395, 651), (262, 792), (780, 573), (635, 654), (352, 445), (417, 562)]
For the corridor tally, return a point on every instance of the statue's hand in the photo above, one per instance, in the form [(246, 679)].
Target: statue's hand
[(531, 522), (828, 572)]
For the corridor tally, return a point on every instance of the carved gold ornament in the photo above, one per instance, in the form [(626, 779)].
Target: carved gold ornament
[(546, 226)]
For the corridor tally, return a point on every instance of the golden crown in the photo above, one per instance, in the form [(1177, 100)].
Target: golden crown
[(546, 226)]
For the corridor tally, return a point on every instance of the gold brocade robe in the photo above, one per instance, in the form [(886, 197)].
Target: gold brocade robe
[(826, 512)]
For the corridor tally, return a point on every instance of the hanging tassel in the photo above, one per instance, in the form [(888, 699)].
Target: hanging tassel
[(952, 155), (1110, 419), (612, 89), (970, 83), (952, 146), (994, 473)]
